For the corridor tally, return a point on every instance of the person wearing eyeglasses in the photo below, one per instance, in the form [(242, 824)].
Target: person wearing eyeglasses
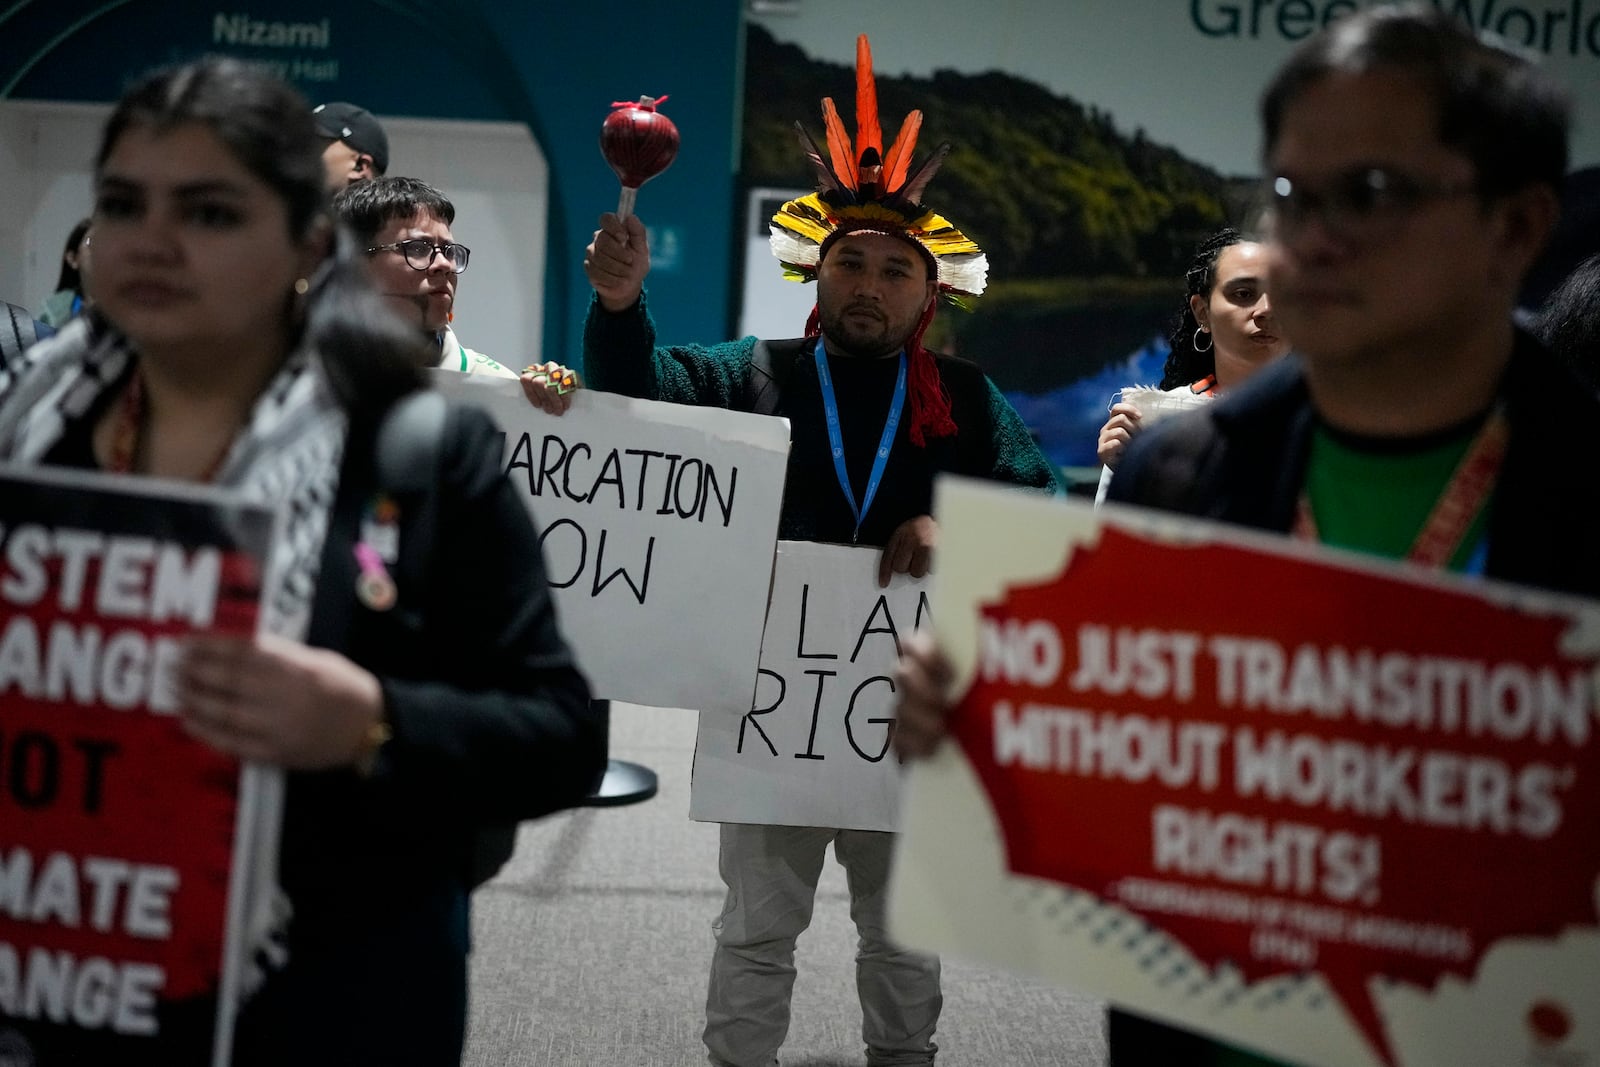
[(402, 225), (408, 680), (1414, 175)]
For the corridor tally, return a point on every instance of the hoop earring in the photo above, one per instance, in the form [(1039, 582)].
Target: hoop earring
[(1200, 332)]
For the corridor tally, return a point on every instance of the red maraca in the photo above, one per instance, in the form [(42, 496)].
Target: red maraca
[(639, 142)]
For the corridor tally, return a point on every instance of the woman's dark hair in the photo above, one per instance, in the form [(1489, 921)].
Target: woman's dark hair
[(370, 357), (263, 122), (1569, 322), (1185, 363), (70, 278), (1495, 106)]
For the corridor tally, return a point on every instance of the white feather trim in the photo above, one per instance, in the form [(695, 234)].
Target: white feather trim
[(968, 273), (792, 249)]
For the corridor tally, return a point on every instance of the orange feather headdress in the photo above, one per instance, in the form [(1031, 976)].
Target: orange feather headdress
[(865, 188)]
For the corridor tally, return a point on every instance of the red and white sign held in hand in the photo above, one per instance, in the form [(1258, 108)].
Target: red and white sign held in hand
[(638, 142)]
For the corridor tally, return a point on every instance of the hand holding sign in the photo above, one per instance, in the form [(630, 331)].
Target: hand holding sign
[(910, 549), (272, 700), (923, 682), (548, 385)]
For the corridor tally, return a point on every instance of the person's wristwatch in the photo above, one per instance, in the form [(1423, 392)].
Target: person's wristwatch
[(378, 734)]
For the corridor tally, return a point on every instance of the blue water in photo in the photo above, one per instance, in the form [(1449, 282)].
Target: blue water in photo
[(1066, 421)]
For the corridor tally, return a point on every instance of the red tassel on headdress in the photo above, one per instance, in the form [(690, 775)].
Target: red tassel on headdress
[(814, 322), (926, 396), (930, 404)]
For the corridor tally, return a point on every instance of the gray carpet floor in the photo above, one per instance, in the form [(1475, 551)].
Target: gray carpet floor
[(593, 944)]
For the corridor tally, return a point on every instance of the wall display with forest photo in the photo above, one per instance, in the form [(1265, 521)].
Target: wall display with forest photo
[(1094, 147)]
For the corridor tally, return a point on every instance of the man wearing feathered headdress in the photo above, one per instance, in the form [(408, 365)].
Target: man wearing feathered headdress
[(873, 416)]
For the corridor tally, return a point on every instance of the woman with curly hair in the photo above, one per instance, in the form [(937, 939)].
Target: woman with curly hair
[(1225, 332)]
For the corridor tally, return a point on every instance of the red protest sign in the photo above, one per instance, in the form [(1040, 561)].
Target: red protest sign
[(1276, 769), (117, 830)]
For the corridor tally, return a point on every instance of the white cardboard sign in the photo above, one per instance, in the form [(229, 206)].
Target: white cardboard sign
[(658, 523), (1273, 793), (812, 749)]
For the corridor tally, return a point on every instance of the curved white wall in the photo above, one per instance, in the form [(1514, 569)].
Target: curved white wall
[(493, 171)]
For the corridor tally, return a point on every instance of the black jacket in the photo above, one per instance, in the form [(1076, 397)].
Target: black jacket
[(1243, 460), (492, 723)]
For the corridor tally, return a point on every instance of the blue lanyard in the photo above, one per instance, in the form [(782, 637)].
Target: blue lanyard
[(830, 407)]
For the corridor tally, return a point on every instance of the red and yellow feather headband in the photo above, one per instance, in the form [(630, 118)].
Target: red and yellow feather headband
[(866, 189)]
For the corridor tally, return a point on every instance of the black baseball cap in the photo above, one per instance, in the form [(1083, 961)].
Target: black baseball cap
[(356, 127)]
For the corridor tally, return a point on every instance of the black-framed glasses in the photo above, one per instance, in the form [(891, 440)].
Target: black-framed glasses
[(419, 253), (1359, 204)]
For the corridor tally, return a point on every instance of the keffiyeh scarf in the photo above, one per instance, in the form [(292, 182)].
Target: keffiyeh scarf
[(287, 457)]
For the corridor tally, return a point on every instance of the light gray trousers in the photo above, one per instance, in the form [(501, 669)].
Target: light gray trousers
[(771, 873)]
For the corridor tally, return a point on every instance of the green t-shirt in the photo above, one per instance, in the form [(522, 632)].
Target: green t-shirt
[(1375, 497)]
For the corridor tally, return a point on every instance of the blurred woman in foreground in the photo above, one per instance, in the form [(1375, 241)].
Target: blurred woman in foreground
[(236, 347)]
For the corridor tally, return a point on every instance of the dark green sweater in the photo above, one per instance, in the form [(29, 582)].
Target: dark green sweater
[(620, 356)]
